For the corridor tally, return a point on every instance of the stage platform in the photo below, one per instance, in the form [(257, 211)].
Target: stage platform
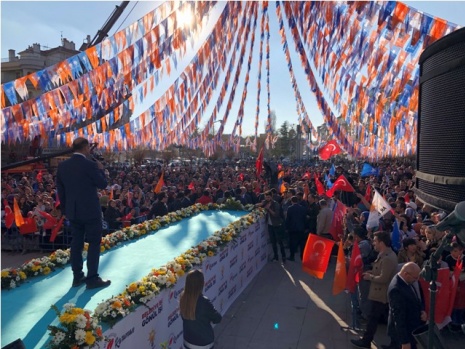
[(26, 311)]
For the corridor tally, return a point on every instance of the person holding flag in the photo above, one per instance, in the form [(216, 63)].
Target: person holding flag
[(384, 269)]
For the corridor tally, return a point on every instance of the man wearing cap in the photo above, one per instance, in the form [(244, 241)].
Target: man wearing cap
[(78, 179)]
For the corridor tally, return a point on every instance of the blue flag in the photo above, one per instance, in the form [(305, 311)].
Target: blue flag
[(368, 170), (332, 170), (328, 182), (395, 237)]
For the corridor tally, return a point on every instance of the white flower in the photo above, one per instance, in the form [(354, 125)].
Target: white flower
[(80, 336), (59, 336), (12, 284), (68, 306), (81, 321), (113, 314)]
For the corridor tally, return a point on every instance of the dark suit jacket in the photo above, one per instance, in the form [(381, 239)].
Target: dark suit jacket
[(295, 219), (77, 181), (404, 311)]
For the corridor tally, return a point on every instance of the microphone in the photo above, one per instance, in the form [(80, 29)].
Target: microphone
[(455, 221)]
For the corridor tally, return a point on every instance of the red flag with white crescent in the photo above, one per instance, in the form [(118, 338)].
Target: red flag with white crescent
[(259, 163), (442, 309), (319, 186), (329, 149), (56, 229), (354, 275), (340, 184), (316, 255), (337, 225), (9, 215)]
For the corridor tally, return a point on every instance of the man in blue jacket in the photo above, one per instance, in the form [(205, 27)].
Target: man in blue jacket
[(78, 179)]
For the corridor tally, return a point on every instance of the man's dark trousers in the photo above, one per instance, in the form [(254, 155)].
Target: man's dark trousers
[(92, 230)]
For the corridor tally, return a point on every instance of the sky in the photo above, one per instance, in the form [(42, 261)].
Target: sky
[(26, 22)]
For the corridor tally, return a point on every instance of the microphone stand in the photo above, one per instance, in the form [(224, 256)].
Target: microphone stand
[(430, 273)]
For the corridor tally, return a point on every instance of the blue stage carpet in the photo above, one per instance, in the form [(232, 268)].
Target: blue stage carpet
[(26, 311)]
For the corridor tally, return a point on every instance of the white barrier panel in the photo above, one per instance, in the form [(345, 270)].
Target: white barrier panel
[(159, 324)]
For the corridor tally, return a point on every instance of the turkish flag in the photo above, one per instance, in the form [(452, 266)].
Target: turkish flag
[(29, 226), (9, 215), (316, 255), (337, 224), (39, 177), (368, 193), (354, 274), (443, 310), (340, 276), (56, 229), (259, 163), (319, 186), (329, 149), (191, 186), (341, 184)]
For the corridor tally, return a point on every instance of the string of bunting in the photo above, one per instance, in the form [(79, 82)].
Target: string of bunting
[(300, 106), (235, 141)]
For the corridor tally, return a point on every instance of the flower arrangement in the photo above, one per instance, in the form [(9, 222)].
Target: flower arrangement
[(142, 291), (139, 292), (113, 309), (12, 277), (77, 329)]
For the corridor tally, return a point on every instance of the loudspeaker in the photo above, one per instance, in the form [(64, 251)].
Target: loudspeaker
[(440, 172), (17, 344)]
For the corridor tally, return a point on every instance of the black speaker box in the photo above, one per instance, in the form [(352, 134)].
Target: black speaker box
[(440, 175), (17, 344)]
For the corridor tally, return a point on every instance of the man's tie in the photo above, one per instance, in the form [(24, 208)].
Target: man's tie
[(414, 291)]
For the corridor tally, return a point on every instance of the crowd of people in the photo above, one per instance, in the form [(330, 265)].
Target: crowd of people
[(294, 209)]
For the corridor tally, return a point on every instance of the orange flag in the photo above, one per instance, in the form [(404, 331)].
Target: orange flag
[(111, 194), (159, 185), (340, 276), (316, 255), (19, 220)]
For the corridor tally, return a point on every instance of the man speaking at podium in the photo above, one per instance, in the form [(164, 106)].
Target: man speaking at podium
[(78, 179)]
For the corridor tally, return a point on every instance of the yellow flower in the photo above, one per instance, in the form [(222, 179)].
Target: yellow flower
[(90, 339), (141, 288), (22, 275), (102, 248), (77, 311), (5, 273), (116, 305), (67, 318), (180, 273), (46, 270), (132, 287), (210, 254)]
